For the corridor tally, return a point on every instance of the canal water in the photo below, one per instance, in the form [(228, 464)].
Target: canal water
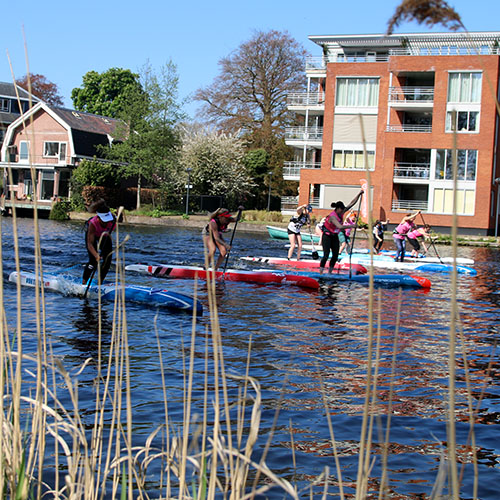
[(301, 339)]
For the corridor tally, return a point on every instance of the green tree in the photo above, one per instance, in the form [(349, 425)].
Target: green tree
[(108, 93), (217, 164), (150, 153)]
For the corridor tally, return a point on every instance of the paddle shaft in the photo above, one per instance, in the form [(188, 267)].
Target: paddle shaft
[(314, 253), (432, 242), (238, 217), (354, 235)]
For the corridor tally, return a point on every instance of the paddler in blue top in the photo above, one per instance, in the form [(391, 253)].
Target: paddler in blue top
[(98, 241), (212, 235)]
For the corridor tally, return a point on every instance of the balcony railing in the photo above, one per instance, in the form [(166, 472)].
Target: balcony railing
[(320, 62), (314, 201), (291, 169), (289, 203), (409, 205), (408, 170), (411, 94), (408, 127), (304, 133), (305, 99)]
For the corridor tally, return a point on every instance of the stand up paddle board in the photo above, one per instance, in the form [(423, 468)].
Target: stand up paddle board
[(305, 264), (134, 293), (191, 272)]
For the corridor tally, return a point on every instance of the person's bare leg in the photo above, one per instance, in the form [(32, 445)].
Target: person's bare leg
[(299, 246), (291, 238)]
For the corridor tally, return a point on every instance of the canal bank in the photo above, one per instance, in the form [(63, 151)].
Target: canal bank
[(200, 221)]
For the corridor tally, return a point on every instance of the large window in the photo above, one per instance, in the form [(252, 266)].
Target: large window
[(443, 201), (54, 150), (466, 164), (351, 159), (465, 121), (357, 92), (464, 87)]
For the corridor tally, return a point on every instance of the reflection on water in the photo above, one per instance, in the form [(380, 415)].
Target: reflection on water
[(300, 340)]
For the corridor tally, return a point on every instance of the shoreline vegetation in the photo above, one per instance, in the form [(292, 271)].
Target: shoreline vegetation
[(199, 221)]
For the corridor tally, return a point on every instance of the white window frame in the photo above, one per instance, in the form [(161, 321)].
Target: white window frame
[(62, 148), (461, 74), (356, 150), (5, 105), (355, 80), (27, 159), (468, 110), (449, 152)]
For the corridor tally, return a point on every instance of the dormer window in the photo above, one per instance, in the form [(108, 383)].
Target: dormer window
[(5, 105)]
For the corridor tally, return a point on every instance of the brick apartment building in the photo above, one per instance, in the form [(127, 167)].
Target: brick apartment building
[(394, 102)]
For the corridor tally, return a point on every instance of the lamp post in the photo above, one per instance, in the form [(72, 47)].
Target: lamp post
[(497, 182), (269, 194), (188, 187)]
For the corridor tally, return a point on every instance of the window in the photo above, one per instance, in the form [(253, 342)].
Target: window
[(357, 92), (466, 164), (465, 121), (443, 201), (350, 159), (54, 150), (5, 105), (464, 87), (24, 153)]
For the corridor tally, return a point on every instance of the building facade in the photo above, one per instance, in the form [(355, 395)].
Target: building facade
[(44, 145), (394, 103)]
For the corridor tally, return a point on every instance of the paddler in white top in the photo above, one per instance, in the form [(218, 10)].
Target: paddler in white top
[(98, 241), (212, 235)]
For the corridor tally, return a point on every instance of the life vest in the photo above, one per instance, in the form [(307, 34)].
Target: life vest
[(329, 227)]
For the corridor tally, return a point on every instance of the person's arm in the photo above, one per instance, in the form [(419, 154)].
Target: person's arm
[(409, 218), (90, 242), (353, 202), (217, 236)]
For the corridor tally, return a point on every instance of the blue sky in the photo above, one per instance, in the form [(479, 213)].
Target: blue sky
[(67, 39)]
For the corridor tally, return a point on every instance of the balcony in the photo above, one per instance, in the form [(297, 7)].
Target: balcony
[(305, 99), (411, 97), (304, 134), (291, 169), (409, 205), (406, 171), (409, 127)]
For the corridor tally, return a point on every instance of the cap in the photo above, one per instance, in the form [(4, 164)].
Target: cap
[(309, 208), (105, 216), (226, 214)]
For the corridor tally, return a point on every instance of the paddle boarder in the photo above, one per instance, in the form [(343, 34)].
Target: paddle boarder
[(378, 234), (98, 241), (212, 235), (331, 228), (422, 232), (344, 235), (406, 225), (301, 218)]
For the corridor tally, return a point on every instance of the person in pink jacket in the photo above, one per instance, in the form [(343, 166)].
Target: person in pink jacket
[(420, 232), (406, 225)]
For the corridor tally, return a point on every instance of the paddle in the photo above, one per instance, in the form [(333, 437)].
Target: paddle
[(238, 217), (314, 253), (354, 235), (432, 241)]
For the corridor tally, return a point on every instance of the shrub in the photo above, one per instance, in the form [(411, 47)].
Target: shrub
[(59, 210)]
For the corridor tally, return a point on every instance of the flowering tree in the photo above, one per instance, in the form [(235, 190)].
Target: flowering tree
[(217, 163)]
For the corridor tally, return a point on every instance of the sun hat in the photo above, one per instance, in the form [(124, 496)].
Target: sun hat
[(104, 214)]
